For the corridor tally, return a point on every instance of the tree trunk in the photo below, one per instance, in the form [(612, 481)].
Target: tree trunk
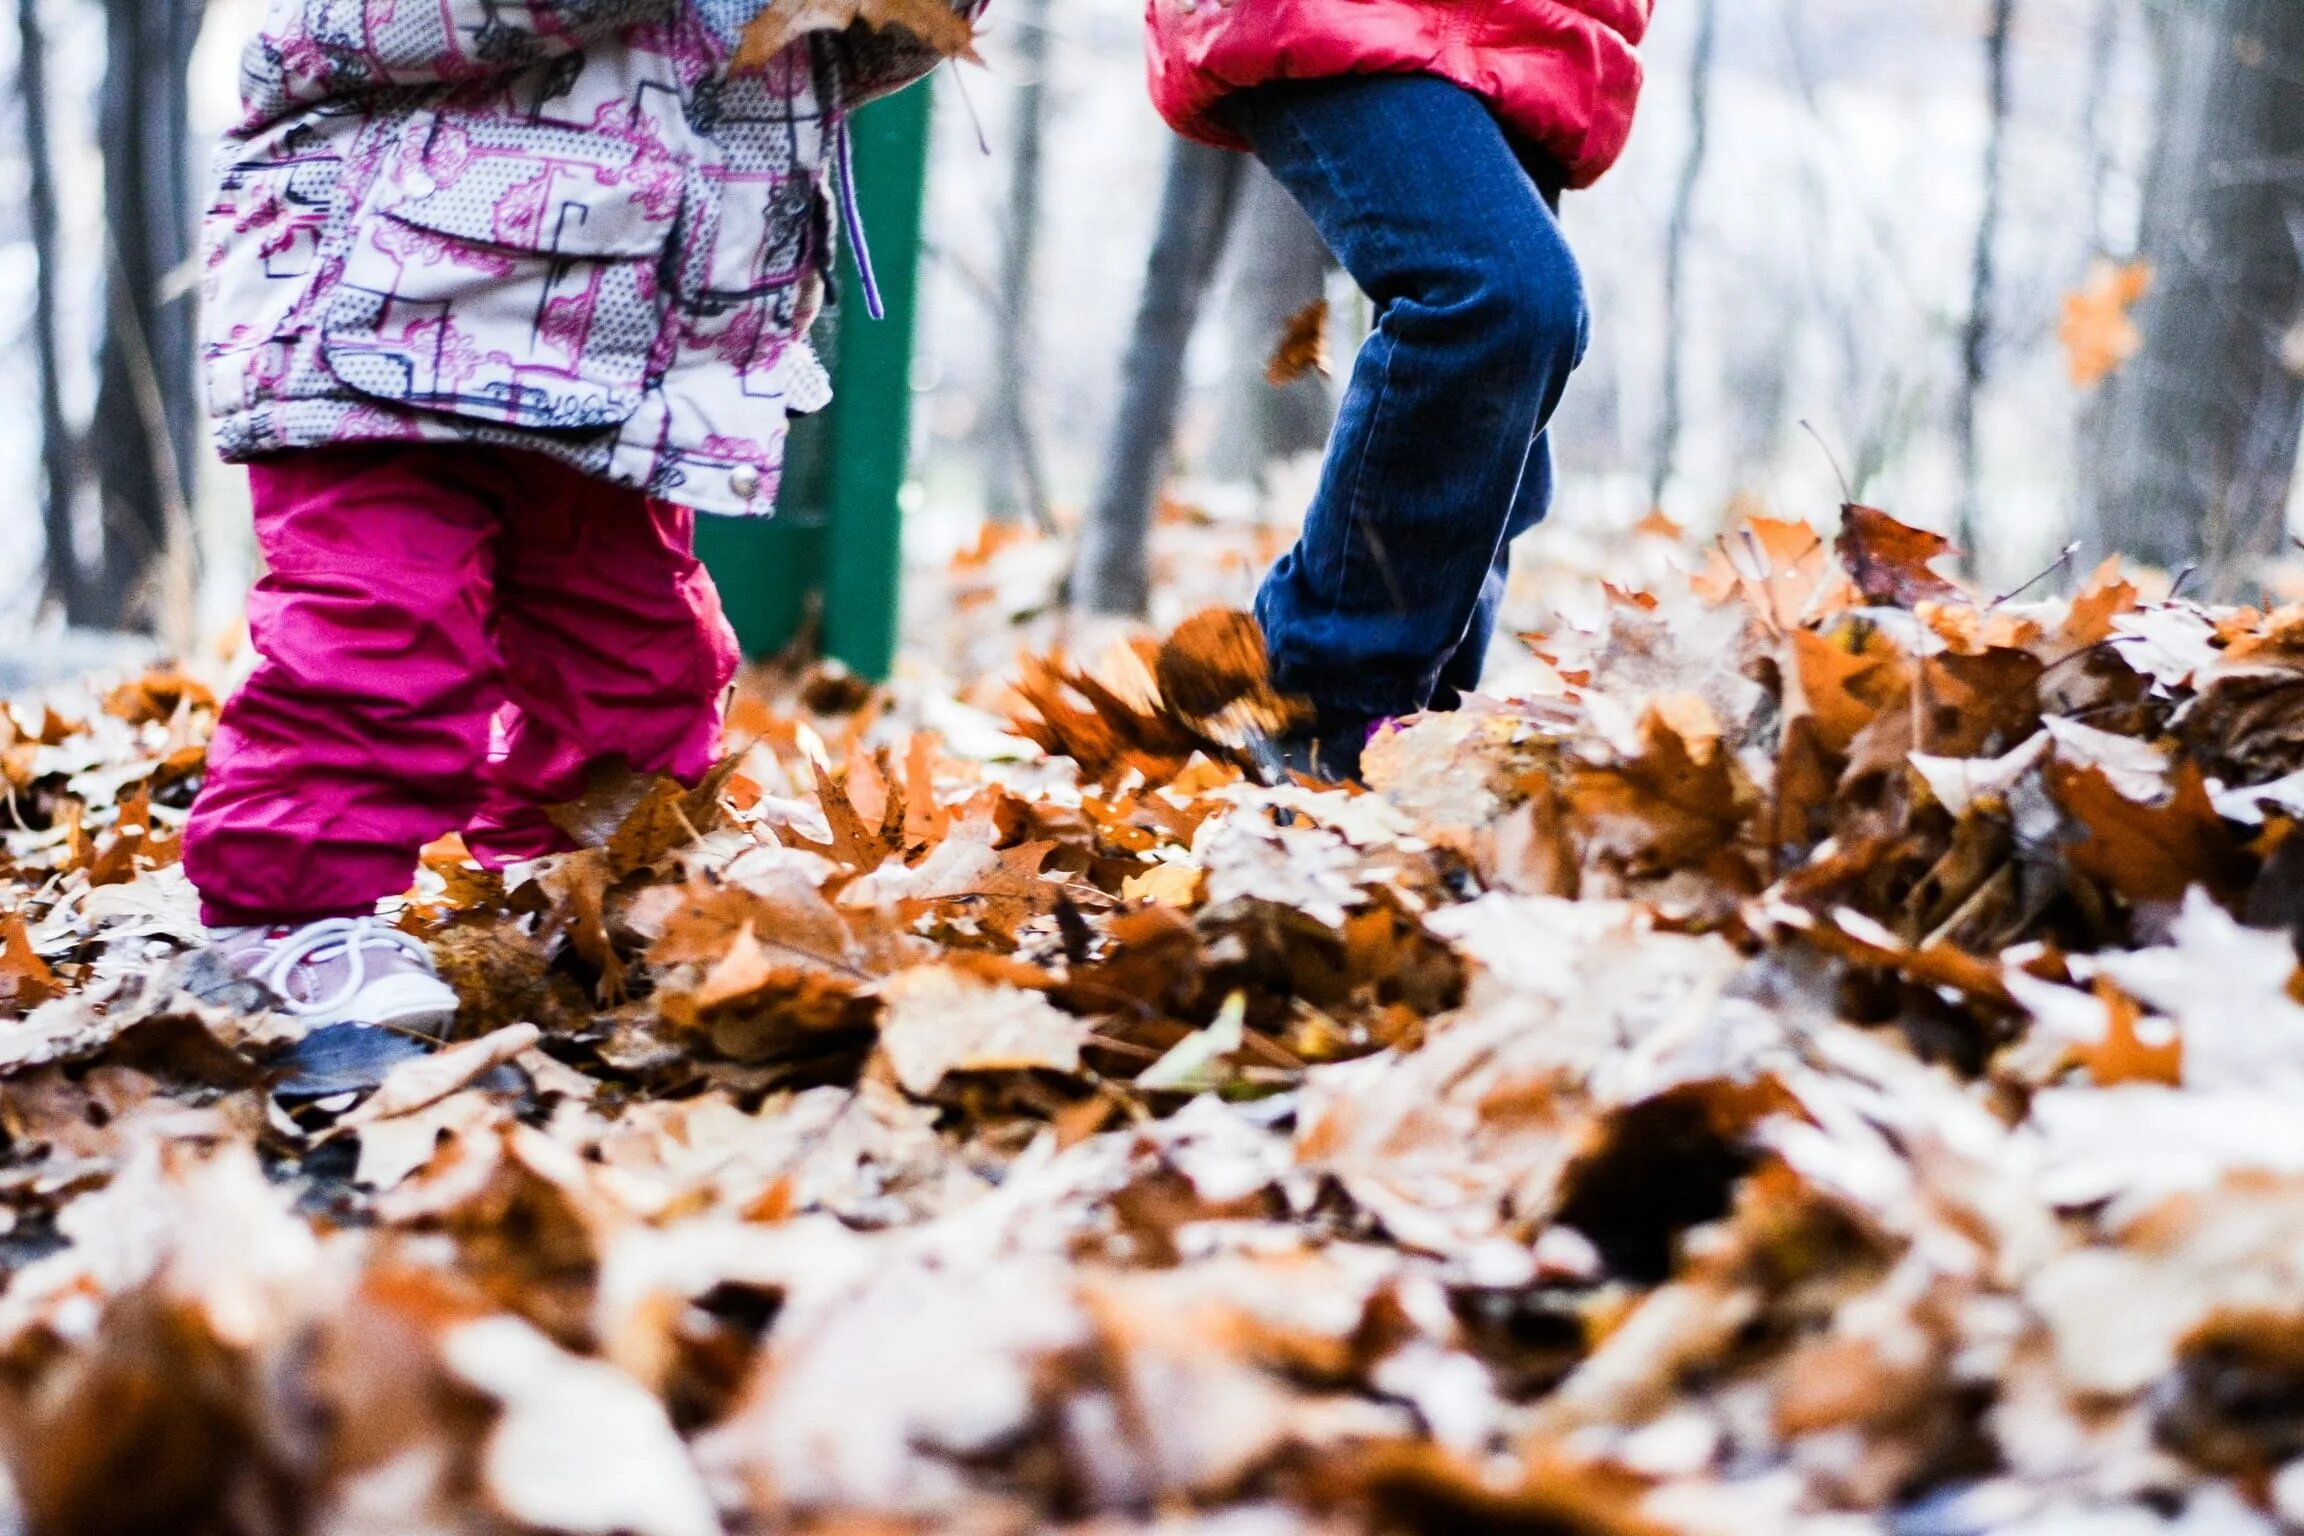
[(1018, 486), (1113, 575), (1672, 421), (2104, 242), (1976, 336), (2198, 454), (1279, 267), (2103, 57), (146, 403), (63, 583)]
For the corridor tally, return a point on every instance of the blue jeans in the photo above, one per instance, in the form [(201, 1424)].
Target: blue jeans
[(1438, 461)]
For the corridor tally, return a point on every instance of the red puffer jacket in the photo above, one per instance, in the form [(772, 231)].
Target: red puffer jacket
[(1563, 73)]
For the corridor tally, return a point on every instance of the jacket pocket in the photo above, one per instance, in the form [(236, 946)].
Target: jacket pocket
[(506, 273)]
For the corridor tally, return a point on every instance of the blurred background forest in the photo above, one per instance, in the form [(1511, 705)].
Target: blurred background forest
[(2030, 271)]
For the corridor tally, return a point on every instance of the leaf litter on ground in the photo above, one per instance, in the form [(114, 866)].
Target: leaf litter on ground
[(1825, 1059)]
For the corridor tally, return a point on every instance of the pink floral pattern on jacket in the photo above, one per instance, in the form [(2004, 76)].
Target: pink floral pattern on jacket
[(564, 225)]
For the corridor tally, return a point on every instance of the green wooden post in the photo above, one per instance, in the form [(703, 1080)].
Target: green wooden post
[(837, 535), (871, 418)]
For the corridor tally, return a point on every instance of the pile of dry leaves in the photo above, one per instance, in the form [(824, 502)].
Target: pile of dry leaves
[(1828, 1062)]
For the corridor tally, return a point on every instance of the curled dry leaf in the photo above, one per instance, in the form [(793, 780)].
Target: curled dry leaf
[(417, 1084)]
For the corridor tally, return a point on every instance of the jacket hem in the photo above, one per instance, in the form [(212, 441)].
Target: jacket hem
[(268, 431)]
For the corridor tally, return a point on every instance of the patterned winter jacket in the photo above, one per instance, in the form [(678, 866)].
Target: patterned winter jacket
[(566, 225)]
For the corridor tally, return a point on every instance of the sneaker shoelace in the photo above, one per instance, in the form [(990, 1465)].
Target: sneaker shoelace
[(319, 942)]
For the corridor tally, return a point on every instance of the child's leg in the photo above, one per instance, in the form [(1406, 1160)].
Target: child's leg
[(1480, 319), (614, 645), (360, 736), (1529, 507)]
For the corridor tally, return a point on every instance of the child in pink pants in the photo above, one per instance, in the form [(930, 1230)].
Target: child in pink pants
[(499, 295), (451, 634)]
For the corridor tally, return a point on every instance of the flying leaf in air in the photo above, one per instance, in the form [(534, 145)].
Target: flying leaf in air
[(2098, 330), (1303, 346), (931, 21)]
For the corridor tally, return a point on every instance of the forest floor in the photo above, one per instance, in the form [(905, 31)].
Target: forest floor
[(1817, 1052)]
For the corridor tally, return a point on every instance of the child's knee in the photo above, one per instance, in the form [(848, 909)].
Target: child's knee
[(1539, 311)]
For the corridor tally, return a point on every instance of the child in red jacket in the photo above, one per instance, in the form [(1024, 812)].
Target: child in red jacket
[(1429, 140)]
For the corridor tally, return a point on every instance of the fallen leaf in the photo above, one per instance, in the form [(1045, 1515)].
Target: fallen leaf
[(26, 980), (639, 818), (1191, 1067), (157, 696), (966, 877), (2138, 769), (1782, 568), (1666, 807), (1216, 675), (2169, 644), (860, 847), (754, 1004), (938, 1020), (1169, 885), (2149, 852), (2228, 989), (391, 1150), (579, 1446), (414, 1085), (1962, 784), (1888, 560), (2124, 1054), (1844, 680), (2107, 595), (115, 862)]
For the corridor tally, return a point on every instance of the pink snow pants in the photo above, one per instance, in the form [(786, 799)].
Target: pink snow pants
[(451, 635)]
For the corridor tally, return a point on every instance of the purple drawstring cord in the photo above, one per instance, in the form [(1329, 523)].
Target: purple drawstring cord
[(852, 217)]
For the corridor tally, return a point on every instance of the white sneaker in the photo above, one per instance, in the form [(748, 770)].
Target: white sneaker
[(345, 970)]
